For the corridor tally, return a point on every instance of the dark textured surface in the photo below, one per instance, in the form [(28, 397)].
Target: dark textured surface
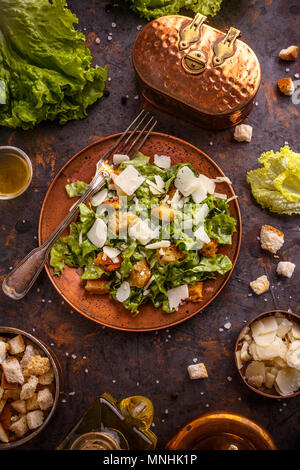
[(155, 364)]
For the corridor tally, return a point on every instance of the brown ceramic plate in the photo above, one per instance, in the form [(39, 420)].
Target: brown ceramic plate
[(103, 309)]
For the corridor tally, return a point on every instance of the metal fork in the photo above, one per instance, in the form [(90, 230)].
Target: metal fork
[(20, 280)]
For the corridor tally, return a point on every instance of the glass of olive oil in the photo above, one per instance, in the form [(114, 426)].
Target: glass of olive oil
[(15, 172)]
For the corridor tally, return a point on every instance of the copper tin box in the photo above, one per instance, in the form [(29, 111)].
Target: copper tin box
[(190, 69)]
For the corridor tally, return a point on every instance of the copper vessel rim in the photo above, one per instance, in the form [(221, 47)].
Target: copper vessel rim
[(260, 392), (217, 415), (58, 384), (204, 113), (226, 277)]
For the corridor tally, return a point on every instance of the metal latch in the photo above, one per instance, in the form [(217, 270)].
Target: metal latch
[(194, 62), (191, 32), (225, 48)]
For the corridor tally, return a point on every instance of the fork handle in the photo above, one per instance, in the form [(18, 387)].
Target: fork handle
[(20, 280)]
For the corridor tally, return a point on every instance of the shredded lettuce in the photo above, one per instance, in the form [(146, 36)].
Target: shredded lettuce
[(44, 64), (150, 9), (276, 186), (77, 250)]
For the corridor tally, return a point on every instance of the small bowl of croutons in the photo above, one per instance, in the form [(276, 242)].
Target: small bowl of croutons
[(267, 354), (30, 386)]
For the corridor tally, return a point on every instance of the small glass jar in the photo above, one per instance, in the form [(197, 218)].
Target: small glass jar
[(14, 159)]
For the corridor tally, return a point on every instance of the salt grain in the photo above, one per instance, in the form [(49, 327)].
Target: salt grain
[(227, 325)]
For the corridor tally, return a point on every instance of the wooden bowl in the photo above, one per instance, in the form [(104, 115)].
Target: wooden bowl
[(264, 391), (58, 377)]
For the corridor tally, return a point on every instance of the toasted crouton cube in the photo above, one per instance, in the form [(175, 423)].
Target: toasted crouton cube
[(290, 53), (286, 86), (37, 365), (20, 427), (35, 419), (16, 344), (197, 371), (12, 371), (285, 268), (32, 403), (2, 404), (97, 286), (45, 399), (256, 380), (209, 250), (107, 263), (13, 393), (140, 274), (3, 349), (29, 352), (260, 285), (29, 388), (3, 434), (243, 133), (19, 406), (165, 213), (271, 239), (195, 292), (169, 254), (47, 378)]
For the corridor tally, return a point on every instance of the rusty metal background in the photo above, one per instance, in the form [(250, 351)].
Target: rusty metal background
[(96, 359)]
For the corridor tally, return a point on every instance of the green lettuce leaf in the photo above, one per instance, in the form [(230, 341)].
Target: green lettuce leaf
[(276, 186), (150, 9), (44, 64), (76, 189)]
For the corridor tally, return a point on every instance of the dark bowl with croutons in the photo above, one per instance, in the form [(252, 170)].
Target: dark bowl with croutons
[(31, 383)]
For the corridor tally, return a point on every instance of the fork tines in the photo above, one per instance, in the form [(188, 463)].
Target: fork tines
[(136, 134)]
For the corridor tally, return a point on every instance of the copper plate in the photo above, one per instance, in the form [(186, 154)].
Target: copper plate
[(264, 391), (103, 309)]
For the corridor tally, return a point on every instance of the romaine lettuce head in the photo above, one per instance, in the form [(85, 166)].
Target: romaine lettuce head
[(150, 9), (44, 64), (276, 186)]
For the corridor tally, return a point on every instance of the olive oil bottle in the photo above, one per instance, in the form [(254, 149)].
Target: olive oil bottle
[(111, 425)]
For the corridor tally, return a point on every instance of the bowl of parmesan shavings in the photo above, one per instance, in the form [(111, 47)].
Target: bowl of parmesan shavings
[(267, 354)]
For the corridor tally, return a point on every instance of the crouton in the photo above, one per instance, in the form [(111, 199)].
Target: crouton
[(13, 394), (107, 263), (164, 213), (260, 285), (120, 221), (286, 86), (20, 427), (29, 388), (169, 254), (12, 371), (19, 406), (97, 286), (209, 250), (3, 349), (285, 268), (35, 419), (32, 403), (195, 292), (197, 371), (6, 415), (243, 133), (16, 344), (113, 202), (45, 399), (47, 378), (271, 239), (140, 274), (290, 53), (8, 386), (2, 404), (37, 365), (3, 434), (1, 392), (29, 352)]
